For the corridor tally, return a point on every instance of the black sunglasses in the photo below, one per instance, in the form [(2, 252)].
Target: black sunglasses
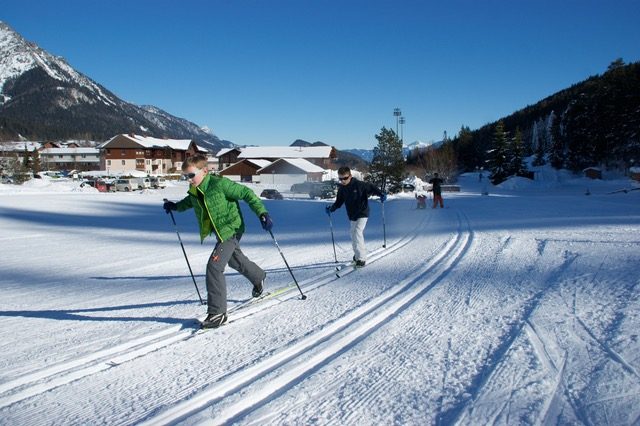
[(344, 178)]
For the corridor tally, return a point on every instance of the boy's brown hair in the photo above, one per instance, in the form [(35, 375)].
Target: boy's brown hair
[(198, 161)]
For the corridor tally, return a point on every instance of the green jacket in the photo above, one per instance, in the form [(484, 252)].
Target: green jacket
[(215, 203)]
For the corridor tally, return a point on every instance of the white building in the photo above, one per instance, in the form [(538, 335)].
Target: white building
[(70, 159)]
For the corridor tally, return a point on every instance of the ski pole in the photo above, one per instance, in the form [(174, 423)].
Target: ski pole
[(286, 263), (333, 241), (384, 228), (185, 255)]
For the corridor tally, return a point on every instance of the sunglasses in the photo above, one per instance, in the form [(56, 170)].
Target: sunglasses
[(344, 178), (191, 175)]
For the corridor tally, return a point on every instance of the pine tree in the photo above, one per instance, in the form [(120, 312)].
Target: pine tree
[(540, 141), (387, 167), (498, 162), (516, 165), (557, 156)]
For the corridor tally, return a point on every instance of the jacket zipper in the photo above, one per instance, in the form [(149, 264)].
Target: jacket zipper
[(206, 209)]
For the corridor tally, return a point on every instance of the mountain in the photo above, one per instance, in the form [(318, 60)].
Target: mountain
[(43, 98), (365, 154), (300, 142)]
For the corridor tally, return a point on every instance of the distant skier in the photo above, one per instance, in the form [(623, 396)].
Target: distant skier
[(214, 200), (355, 195), (422, 201), (436, 183)]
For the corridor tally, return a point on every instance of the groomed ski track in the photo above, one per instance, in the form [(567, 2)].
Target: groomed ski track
[(311, 352), (444, 341), (49, 378)]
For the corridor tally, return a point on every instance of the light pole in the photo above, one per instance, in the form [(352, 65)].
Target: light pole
[(397, 114), (402, 121)]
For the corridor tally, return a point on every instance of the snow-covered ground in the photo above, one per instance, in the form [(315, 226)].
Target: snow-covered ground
[(520, 307)]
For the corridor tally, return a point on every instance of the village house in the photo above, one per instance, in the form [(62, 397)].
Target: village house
[(52, 155), (321, 156), (70, 158), (153, 156), (593, 172), (289, 171), (227, 157), (245, 170)]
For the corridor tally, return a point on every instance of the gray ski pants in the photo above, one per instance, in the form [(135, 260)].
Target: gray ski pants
[(227, 252)]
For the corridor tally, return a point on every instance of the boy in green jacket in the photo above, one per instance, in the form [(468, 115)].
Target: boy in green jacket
[(214, 200)]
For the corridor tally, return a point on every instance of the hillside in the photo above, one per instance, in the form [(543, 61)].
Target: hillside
[(594, 122)]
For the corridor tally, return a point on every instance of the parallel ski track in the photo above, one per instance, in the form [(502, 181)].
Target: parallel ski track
[(314, 351), (61, 374)]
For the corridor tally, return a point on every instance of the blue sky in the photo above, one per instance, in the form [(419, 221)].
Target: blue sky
[(269, 72)]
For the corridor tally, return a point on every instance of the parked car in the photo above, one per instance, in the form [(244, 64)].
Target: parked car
[(126, 184), (323, 190), (144, 183), (158, 182), (271, 194), (302, 187)]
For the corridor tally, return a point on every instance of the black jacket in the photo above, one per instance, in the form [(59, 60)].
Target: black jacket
[(355, 196), (437, 185)]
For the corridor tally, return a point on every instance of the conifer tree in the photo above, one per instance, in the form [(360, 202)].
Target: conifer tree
[(539, 159), (557, 156), (498, 161), (387, 167), (516, 165)]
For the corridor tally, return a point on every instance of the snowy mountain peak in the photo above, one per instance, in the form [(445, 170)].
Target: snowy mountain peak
[(46, 83), (18, 56)]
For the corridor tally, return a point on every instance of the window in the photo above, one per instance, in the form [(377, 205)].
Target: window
[(124, 163), (108, 162)]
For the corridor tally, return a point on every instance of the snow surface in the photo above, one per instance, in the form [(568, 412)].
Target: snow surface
[(518, 307)]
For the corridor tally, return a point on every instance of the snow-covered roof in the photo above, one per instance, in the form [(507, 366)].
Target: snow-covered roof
[(81, 150), (20, 146), (286, 152), (300, 163), (150, 142), (260, 163), (223, 151)]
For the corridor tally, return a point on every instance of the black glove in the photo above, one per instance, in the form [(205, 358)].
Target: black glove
[(266, 222), (169, 205)]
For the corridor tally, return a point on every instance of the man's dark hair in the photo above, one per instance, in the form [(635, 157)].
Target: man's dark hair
[(344, 170)]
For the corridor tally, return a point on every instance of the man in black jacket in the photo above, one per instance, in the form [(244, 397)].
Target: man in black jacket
[(354, 194)]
